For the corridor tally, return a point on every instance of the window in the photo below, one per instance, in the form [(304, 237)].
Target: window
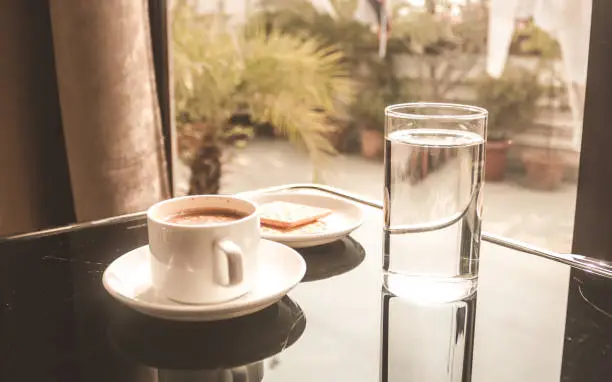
[(274, 117)]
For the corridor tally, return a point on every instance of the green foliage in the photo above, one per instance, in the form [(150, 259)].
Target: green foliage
[(444, 53), (531, 40), (421, 32), (299, 18), (345, 8), (377, 84), (511, 101), (294, 83), (368, 108)]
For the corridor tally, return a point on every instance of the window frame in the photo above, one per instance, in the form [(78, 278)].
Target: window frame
[(593, 219), (592, 235)]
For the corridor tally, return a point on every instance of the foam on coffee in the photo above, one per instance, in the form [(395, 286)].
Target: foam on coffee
[(203, 216)]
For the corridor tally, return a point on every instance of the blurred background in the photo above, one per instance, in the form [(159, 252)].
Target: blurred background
[(270, 92)]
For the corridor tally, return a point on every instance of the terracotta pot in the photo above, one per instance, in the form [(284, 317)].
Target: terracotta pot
[(496, 159), (371, 143), (544, 170)]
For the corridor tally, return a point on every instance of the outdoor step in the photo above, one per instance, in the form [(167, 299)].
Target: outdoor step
[(515, 162), (539, 141), (552, 129), (545, 128)]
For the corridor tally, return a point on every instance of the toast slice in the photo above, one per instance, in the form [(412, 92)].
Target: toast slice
[(319, 226), (288, 215)]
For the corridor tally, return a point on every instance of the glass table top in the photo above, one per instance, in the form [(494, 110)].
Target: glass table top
[(531, 320)]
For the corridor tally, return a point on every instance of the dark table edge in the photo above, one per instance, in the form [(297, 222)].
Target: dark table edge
[(77, 226)]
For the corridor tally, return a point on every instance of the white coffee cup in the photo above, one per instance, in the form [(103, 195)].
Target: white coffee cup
[(203, 263)]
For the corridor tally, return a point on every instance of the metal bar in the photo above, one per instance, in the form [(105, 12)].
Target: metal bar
[(587, 264), (76, 226)]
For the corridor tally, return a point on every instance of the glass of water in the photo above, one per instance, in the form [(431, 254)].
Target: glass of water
[(434, 158)]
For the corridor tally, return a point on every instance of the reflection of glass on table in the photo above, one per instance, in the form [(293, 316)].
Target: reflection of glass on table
[(427, 342)]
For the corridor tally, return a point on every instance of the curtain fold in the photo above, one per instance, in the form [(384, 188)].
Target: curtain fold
[(34, 185), (80, 130), (109, 106)]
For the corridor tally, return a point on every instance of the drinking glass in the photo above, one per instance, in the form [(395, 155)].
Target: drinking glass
[(434, 156)]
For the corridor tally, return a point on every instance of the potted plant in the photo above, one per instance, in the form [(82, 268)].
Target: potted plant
[(222, 70), (512, 104), (544, 166), (367, 111)]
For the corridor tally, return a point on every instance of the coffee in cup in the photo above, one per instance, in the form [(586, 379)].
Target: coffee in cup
[(203, 248), (204, 216)]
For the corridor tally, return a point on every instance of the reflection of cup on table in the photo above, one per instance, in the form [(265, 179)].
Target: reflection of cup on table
[(207, 351), (248, 373), (203, 247), (434, 156)]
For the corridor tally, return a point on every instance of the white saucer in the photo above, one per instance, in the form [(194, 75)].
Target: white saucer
[(128, 280), (345, 218)]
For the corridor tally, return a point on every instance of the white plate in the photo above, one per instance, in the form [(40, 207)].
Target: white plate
[(128, 279), (345, 217)]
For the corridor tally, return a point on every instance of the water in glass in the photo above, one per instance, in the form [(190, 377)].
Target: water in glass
[(433, 184)]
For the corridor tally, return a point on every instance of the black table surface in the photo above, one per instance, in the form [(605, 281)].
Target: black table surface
[(531, 320)]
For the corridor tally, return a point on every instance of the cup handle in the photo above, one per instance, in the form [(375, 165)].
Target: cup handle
[(235, 269)]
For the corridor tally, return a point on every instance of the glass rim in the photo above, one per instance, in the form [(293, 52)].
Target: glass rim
[(475, 112)]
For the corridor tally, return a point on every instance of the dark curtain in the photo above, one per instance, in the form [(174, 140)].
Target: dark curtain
[(80, 130)]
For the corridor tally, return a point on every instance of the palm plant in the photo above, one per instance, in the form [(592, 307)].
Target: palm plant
[(296, 84), (375, 76)]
